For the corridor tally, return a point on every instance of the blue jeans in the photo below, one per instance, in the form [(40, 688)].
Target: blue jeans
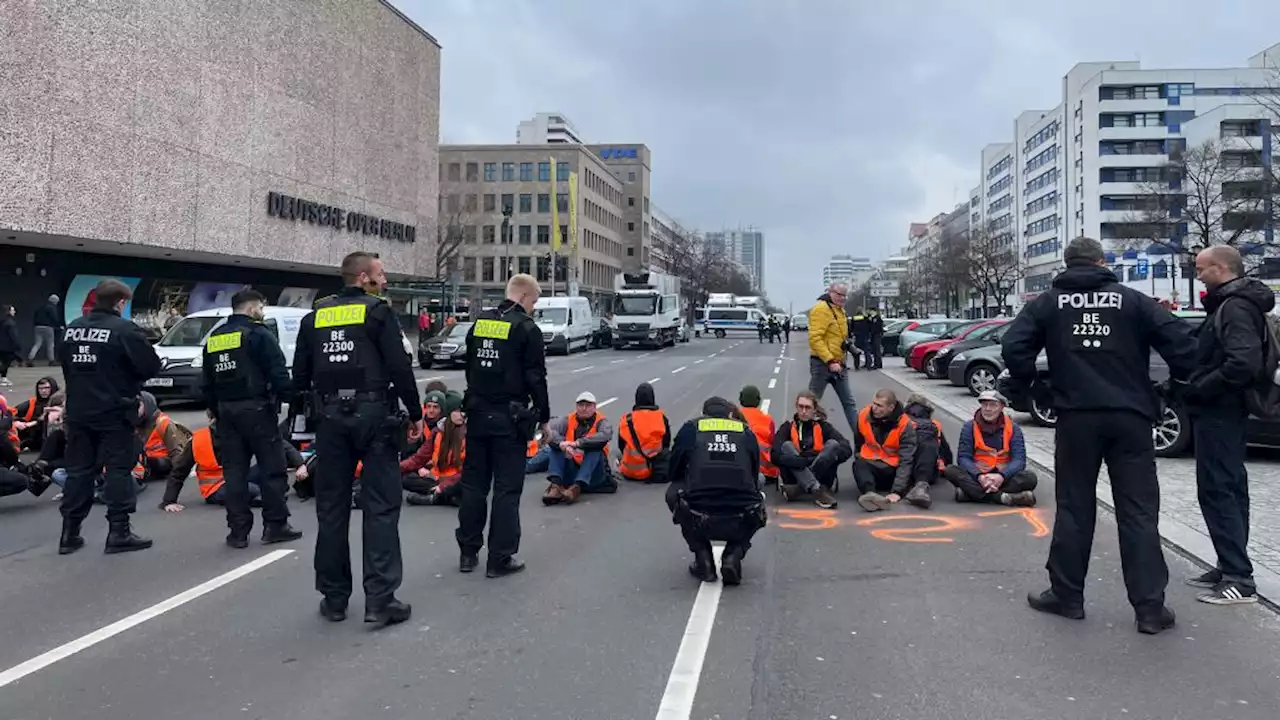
[(820, 377), (1222, 487), (539, 462), (591, 474)]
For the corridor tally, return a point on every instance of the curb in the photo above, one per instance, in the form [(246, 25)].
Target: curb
[(1176, 535)]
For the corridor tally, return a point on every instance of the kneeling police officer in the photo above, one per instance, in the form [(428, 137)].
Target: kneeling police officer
[(715, 461), (349, 353), (244, 381), (1098, 335)]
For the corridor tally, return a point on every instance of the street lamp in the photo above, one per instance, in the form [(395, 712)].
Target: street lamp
[(506, 241)]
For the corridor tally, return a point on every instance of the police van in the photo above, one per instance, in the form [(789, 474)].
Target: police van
[(720, 320), (181, 348)]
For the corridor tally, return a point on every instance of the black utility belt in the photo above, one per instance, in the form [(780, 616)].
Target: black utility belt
[(347, 396)]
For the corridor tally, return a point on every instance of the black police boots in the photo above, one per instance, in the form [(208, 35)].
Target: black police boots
[(120, 539), (703, 566), (1157, 622), (393, 613), (332, 610), (731, 566), (70, 540), (505, 567), (284, 532), (1049, 602)]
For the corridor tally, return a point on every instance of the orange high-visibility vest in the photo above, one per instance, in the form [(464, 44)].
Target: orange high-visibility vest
[(31, 409), (817, 436), (873, 450), (762, 425), (437, 469), (208, 471), (532, 449), (986, 458), (645, 442), (572, 435), (155, 442)]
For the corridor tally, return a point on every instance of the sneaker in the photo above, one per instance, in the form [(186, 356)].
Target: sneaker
[(1208, 581), (823, 498), (961, 497), (919, 496), (1229, 592), (1025, 498), (873, 501)]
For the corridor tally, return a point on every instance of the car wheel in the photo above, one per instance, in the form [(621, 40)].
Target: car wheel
[(980, 378), (720, 333), (1046, 416), (1172, 435), (929, 370), (424, 363)]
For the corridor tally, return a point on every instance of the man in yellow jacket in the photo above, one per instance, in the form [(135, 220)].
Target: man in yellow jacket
[(828, 343)]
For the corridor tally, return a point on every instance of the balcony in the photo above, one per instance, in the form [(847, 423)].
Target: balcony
[(1132, 106), (1132, 160), (1155, 132)]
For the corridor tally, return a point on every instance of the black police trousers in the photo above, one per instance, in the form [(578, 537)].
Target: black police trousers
[(495, 459), (249, 429), (342, 440), (1084, 439), (700, 525), (108, 449)]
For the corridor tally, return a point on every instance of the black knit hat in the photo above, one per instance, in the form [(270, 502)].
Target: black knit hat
[(749, 396)]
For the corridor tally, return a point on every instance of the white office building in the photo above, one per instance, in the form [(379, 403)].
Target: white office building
[(548, 129), (847, 269), (744, 246)]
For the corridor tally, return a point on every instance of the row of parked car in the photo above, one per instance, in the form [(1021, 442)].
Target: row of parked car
[(966, 353)]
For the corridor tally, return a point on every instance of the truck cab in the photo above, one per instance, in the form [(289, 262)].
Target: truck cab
[(646, 311)]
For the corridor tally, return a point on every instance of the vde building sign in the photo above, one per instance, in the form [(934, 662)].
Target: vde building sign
[(313, 213), (618, 153)]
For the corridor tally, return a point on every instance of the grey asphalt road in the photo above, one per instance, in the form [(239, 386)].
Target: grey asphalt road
[(837, 618)]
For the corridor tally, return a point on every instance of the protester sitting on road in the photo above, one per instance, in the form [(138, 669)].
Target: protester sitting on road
[(807, 451), (10, 445), (53, 449), (30, 414), (713, 496), (582, 461), (538, 453), (450, 450), (164, 439), (415, 470), (932, 451), (201, 455), (991, 460), (644, 439), (762, 426), (885, 440)]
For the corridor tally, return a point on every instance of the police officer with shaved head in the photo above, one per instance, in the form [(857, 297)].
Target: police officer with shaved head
[(351, 357), (1098, 335)]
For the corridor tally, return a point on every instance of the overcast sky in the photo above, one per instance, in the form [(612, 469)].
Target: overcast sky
[(828, 124)]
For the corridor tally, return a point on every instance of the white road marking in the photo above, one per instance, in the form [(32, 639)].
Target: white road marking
[(713, 354), (682, 684), (773, 383), (602, 403), (429, 379), (764, 404), (679, 369), (699, 361), (615, 362), (645, 354), (583, 369), (654, 380), (62, 652), (776, 369)]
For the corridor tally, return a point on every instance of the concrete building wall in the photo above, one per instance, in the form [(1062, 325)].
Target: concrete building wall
[(159, 128), (630, 164)]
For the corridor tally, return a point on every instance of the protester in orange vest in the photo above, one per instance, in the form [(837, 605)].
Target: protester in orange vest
[(885, 447), (10, 445), (30, 414), (415, 470), (762, 426), (808, 451), (582, 463), (932, 451), (200, 455), (163, 439), (991, 459), (537, 453), (450, 450), (644, 439)]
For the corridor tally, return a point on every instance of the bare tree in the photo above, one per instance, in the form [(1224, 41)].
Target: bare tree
[(455, 227), (949, 269), (993, 265)]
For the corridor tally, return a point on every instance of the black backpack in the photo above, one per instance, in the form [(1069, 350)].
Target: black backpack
[(1262, 399)]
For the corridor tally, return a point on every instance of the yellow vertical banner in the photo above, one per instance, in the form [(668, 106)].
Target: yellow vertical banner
[(573, 210), (555, 210)]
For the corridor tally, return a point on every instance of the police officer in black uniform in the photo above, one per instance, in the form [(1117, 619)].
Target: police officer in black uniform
[(715, 461), (244, 381), (1098, 335), (105, 360), (350, 354), (506, 398)]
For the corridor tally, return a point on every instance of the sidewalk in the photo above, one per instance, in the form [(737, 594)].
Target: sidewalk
[(1181, 524)]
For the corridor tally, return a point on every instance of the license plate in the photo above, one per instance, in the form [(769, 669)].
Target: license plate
[(440, 356), (158, 382)]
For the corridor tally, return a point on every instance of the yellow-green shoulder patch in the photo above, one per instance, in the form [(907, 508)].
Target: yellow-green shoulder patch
[(720, 425), (223, 342), (340, 315), (494, 329)]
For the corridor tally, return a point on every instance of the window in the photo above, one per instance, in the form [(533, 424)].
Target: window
[(486, 269), (1042, 225), (526, 202), (544, 234), (489, 235), (544, 202), (562, 171), (469, 234), (455, 172), (491, 172), (452, 204), (508, 201), (631, 176), (472, 203), (646, 204), (473, 172), (523, 264), (564, 235), (526, 172), (562, 202), (490, 202), (1147, 120), (526, 234), (1160, 270), (631, 202), (631, 227), (508, 172), (468, 269), (544, 268), (544, 171)]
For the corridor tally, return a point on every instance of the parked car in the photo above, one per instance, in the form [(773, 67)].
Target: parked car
[(1172, 435), (800, 321), (982, 335), (893, 333), (926, 330), (976, 368), (923, 354), (447, 348)]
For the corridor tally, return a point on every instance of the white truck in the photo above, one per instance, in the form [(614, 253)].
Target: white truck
[(646, 310)]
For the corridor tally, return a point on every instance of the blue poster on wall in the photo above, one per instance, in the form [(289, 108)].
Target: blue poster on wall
[(211, 295), (82, 292)]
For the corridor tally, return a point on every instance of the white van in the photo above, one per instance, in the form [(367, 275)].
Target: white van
[(567, 323)]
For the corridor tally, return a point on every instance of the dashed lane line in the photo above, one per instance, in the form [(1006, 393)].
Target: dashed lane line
[(773, 383), (679, 369), (602, 403), (776, 369), (699, 361), (615, 362), (654, 380), (764, 404), (584, 369)]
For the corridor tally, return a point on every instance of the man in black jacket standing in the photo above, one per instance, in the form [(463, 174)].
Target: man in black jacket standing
[(47, 322), (1230, 356), (1098, 335)]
